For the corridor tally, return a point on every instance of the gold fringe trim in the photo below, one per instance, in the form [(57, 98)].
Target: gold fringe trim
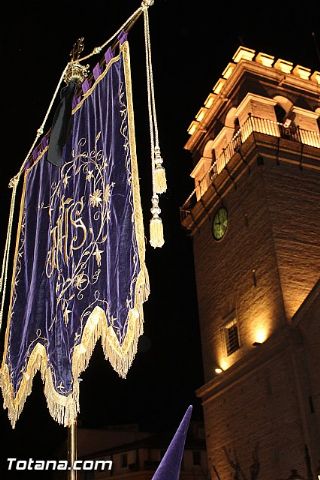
[(64, 409), (156, 233), (160, 181)]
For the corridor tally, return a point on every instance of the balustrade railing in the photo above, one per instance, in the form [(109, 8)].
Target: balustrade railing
[(252, 124)]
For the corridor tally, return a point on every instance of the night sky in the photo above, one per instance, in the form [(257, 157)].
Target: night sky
[(192, 43)]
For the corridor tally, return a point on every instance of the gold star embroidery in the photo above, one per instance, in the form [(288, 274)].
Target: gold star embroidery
[(66, 315), (97, 254), (95, 198), (60, 387), (79, 280), (89, 175), (65, 180)]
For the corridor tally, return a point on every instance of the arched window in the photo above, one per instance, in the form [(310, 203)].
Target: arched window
[(209, 152), (231, 118), (318, 121), (280, 113), (285, 117), (236, 125), (283, 111), (284, 103)]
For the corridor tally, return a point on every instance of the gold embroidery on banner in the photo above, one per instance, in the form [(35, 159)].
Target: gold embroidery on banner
[(68, 232), (95, 198), (69, 215), (64, 408), (97, 255)]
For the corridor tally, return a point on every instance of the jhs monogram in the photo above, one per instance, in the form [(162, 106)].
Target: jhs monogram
[(68, 234)]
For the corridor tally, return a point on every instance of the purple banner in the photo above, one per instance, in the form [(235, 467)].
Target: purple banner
[(79, 269)]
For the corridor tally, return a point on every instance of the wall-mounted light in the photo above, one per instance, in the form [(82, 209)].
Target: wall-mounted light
[(218, 370), (256, 344), (260, 333)]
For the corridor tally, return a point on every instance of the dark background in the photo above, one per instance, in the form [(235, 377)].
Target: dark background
[(192, 43)]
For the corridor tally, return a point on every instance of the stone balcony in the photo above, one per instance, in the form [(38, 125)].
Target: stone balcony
[(255, 130)]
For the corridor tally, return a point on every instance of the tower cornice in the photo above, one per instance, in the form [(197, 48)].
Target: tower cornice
[(280, 72)]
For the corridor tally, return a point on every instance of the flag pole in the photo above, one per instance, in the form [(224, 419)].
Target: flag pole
[(72, 449)]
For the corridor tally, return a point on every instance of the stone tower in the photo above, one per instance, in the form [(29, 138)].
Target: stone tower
[(255, 220)]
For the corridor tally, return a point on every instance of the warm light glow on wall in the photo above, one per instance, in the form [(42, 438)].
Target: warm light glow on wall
[(243, 53), (283, 65), (227, 72), (260, 334), (264, 59), (224, 364), (218, 86), (302, 72)]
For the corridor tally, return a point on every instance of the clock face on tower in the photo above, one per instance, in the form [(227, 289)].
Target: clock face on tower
[(220, 224)]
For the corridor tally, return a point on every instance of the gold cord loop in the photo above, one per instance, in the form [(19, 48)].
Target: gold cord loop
[(159, 184), (147, 3), (5, 262)]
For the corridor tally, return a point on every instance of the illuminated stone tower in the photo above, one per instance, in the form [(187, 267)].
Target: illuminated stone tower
[(255, 220)]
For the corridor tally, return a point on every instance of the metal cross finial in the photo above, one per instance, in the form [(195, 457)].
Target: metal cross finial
[(75, 71), (147, 3), (77, 49)]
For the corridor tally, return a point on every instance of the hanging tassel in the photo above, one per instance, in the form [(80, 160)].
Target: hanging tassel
[(156, 227), (156, 233), (160, 181)]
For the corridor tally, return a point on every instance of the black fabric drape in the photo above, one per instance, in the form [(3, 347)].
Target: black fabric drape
[(61, 125)]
